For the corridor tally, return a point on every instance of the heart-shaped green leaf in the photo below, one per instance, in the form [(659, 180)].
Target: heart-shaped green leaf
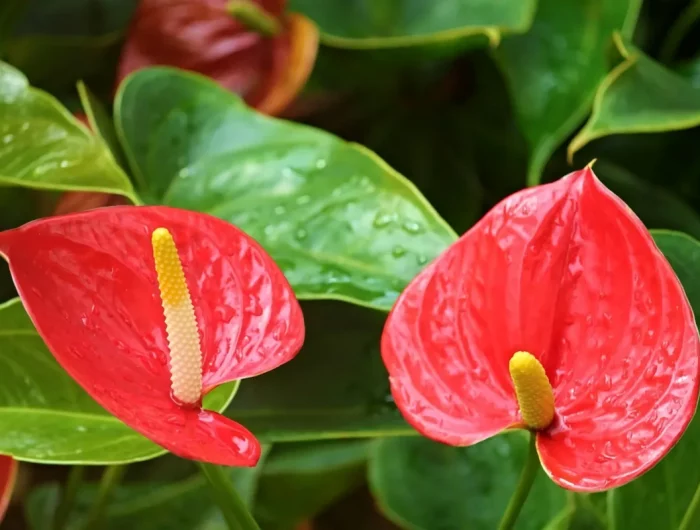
[(423, 485), (46, 417), (339, 222), (42, 146), (554, 69), (337, 387), (660, 497), (639, 96), (373, 24)]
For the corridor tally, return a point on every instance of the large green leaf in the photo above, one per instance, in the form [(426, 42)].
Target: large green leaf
[(555, 68), (660, 498), (42, 146), (639, 96), (300, 480), (423, 485), (337, 387), (339, 222), (46, 417), (396, 23)]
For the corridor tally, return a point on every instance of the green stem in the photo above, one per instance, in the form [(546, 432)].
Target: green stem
[(65, 505), (678, 31), (111, 476), (253, 17), (692, 512), (230, 503), (522, 490)]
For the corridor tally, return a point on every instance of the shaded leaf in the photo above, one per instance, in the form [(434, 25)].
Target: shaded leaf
[(639, 96), (339, 222), (46, 417), (372, 24), (336, 387), (42, 146), (554, 69), (423, 485)]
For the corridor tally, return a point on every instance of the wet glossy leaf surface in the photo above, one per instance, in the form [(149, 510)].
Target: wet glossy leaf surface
[(335, 388), (46, 417), (372, 24), (423, 485), (42, 146), (640, 96), (339, 222), (555, 68)]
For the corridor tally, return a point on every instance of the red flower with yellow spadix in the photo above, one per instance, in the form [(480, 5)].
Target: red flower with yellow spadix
[(555, 313), (150, 308), (8, 476)]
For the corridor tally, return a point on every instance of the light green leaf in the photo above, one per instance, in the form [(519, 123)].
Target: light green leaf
[(639, 96), (424, 485), (46, 417), (339, 222), (554, 69), (43, 147), (337, 387), (397, 23)]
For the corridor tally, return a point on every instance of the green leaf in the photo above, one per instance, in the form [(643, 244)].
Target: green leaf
[(397, 23), (639, 96), (660, 497), (337, 387), (655, 206), (424, 485), (690, 71), (43, 147), (555, 68), (46, 417), (339, 222), (300, 480), (186, 504)]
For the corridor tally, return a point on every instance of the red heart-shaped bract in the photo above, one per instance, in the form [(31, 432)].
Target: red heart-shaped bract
[(89, 284), (8, 475), (568, 273), (201, 36)]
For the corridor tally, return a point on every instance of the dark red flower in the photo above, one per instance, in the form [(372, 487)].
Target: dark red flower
[(566, 272), (8, 475), (88, 282), (201, 36)]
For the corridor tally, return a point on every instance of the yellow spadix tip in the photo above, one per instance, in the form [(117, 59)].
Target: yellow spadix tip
[(180, 321), (533, 390)]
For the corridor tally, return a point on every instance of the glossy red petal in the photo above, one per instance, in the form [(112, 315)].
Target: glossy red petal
[(88, 282), (8, 475), (200, 36), (625, 347)]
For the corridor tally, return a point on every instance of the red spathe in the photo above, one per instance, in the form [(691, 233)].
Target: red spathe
[(88, 282), (568, 273)]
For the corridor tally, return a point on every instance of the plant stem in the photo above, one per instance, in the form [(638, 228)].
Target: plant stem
[(65, 505), (230, 503), (522, 490), (692, 512), (254, 17), (110, 478)]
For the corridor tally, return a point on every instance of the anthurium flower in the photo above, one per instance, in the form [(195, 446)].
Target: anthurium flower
[(8, 475), (556, 313), (267, 65), (150, 308)]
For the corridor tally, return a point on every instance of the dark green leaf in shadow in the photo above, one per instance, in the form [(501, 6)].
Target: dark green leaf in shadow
[(337, 387), (339, 222), (300, 480), (46, 417), (423, 485), (370, 24), (43, 147), (639, 96), (555, 68)]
